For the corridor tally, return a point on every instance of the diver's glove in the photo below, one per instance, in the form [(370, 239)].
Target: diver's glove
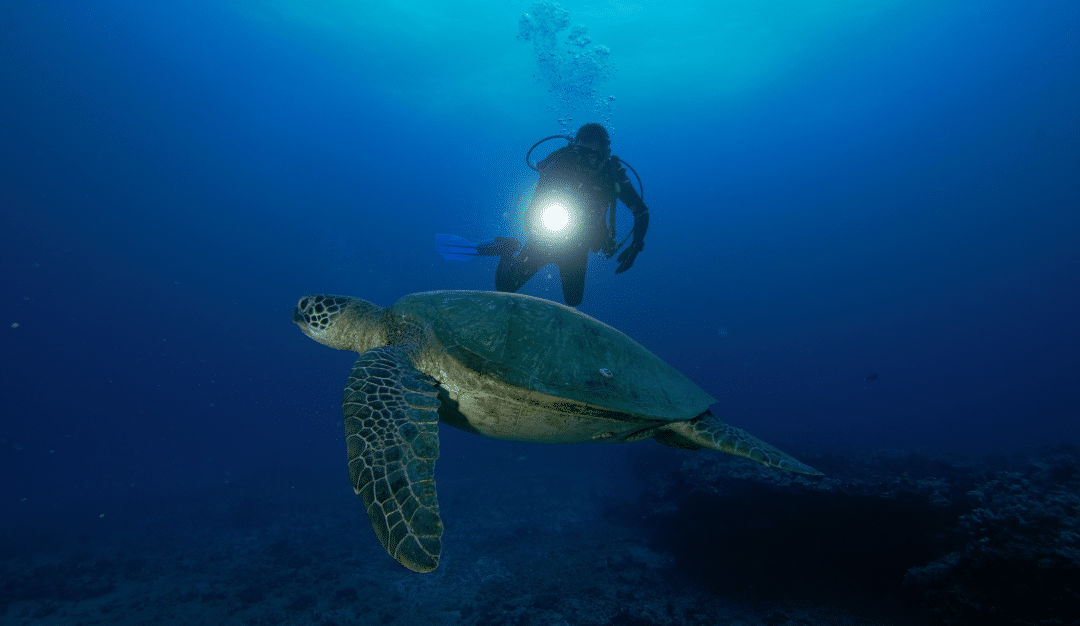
[(609, 248), (626, 259)]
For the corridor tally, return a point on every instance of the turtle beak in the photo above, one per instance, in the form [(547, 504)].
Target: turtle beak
[(301, 316)]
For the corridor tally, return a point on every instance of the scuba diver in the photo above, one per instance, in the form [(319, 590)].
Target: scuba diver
[(579, 184)]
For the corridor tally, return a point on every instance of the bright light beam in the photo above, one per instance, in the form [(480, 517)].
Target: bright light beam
[(555, 217)]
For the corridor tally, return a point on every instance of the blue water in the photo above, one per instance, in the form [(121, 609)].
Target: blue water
[(836, 190)]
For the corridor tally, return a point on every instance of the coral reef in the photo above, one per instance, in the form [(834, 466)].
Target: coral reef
[(937, 537), (679, 538)]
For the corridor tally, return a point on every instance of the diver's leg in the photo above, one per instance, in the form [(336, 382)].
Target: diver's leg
[(513, 272), (499, 246), (572, 274)]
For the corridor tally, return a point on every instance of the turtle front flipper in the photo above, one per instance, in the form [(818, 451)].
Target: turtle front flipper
[(708, 431), (391, 430)]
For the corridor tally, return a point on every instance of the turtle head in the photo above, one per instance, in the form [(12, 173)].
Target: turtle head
[(341, 322)]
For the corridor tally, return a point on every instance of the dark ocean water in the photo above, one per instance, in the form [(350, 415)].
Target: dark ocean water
[(865, 240)]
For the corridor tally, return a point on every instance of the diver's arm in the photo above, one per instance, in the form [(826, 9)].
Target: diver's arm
[(633, 201), (629, 196)]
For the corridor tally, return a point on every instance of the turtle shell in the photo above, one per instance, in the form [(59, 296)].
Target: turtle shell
[(544, 346)]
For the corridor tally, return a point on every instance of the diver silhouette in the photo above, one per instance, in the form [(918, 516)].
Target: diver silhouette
[(579, 185)]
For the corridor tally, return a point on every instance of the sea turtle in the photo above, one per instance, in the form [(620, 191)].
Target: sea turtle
[(501, 365)]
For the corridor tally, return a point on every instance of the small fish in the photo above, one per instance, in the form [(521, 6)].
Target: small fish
[(605, 372), (872, 376)]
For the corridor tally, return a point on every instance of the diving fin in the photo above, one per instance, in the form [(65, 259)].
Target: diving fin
[(454, 248)]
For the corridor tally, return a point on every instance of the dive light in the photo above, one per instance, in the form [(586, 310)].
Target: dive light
[(556, 222), (554, 217)]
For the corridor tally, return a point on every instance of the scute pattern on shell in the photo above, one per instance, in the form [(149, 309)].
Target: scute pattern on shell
[(536, 344)]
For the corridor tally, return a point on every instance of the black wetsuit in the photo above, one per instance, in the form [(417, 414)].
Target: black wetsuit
[(599, 186)]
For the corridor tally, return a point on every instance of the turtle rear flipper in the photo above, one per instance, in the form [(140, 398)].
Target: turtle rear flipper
[(708, 431), (391, 430)]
